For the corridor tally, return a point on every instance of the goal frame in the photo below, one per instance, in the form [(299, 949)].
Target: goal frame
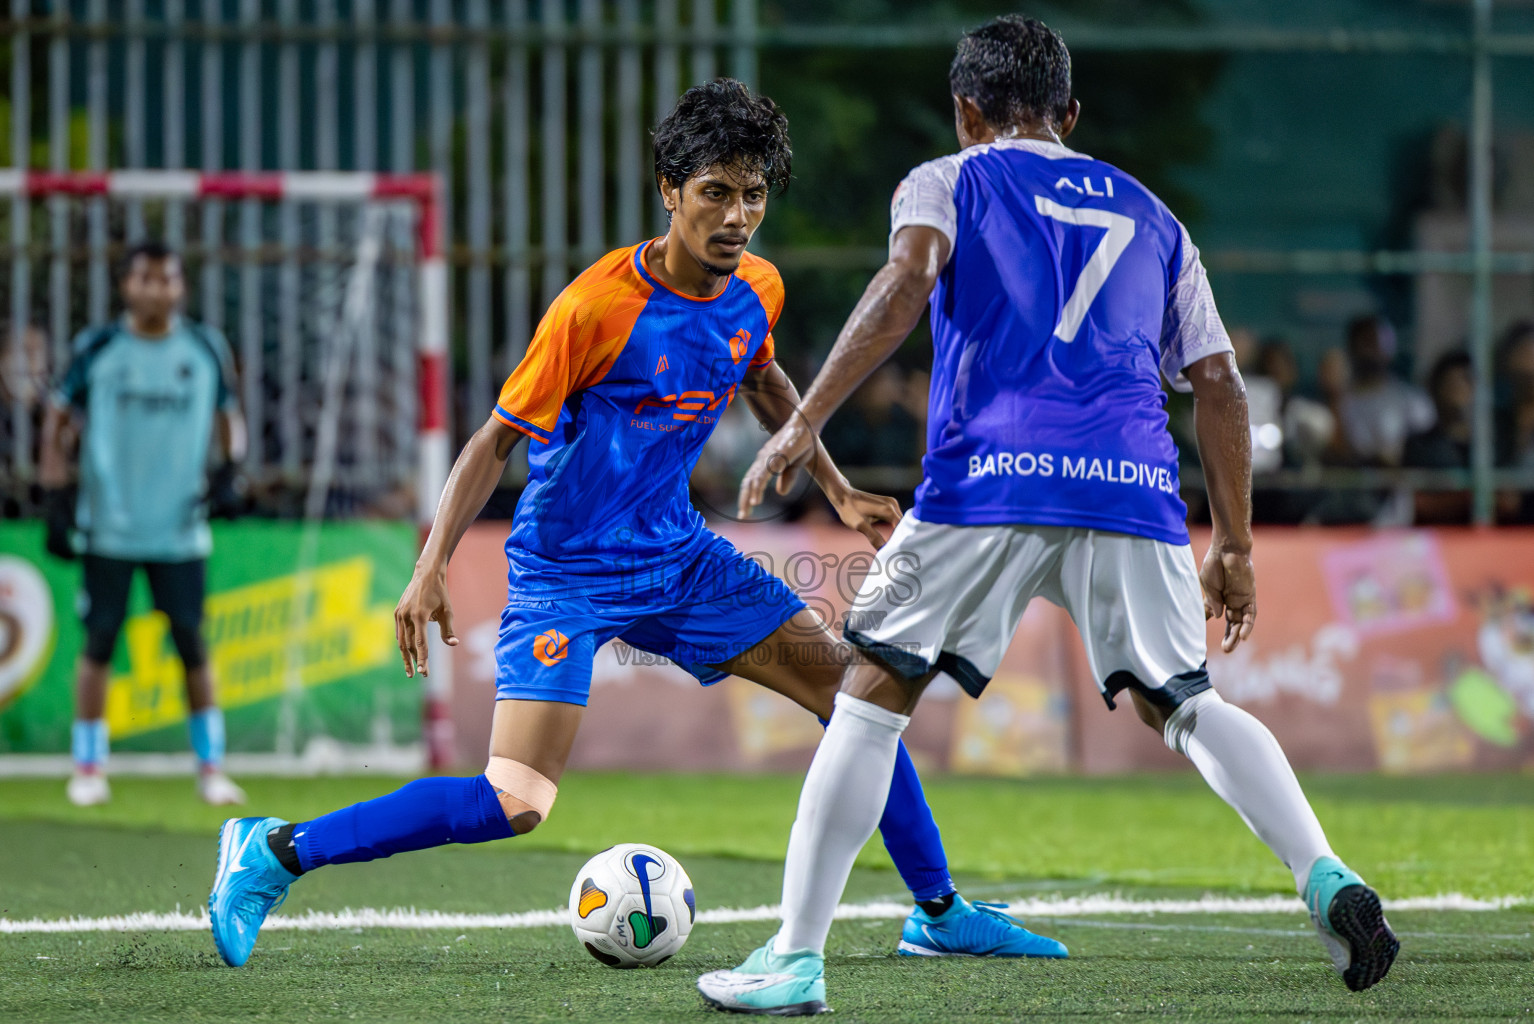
[(425, 191)]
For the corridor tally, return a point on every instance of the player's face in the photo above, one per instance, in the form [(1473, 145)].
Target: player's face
[(152, 289), (714, 214)]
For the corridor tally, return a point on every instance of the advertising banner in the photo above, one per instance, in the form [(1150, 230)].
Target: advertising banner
[(1407, 651), (300, 635), (645, 713)]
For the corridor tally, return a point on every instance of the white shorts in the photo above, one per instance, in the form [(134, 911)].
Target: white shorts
[(949, 598)]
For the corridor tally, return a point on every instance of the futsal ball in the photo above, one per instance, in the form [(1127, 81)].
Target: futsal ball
[(632, 906)]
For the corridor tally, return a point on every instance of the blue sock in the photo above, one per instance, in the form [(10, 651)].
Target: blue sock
[(910, 834), (207, 731), (417, 816), (88, 742)]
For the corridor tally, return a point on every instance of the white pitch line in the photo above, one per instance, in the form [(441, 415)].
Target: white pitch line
[(400, 918)]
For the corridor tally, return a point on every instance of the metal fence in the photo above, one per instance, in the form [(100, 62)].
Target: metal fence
[(535, 113), (513, 103)]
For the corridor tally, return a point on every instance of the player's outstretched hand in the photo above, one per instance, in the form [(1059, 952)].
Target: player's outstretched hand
[(862, 512), (781, 457), (1230, 589), (425, 600)]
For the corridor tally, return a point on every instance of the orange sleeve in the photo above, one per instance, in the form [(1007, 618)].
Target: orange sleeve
[(764, 354), (765, 280), (577, 342)]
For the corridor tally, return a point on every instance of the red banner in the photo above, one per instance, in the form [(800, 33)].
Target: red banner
[(1403, 652)]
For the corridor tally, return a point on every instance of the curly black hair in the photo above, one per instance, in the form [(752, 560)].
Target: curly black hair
[(1016, 69), (720, 122)]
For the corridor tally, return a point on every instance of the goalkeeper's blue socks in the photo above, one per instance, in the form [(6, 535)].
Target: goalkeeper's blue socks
[(420, 815), (911, 836), (88, 744), (206, 730)]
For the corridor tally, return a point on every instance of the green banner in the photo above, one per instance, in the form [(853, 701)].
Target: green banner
[(300, 633)]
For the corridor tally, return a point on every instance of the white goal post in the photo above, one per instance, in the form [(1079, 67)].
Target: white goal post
[(325, 189)]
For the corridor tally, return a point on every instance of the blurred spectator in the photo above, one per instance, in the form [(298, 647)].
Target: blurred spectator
[(1264, 403), (1446, 444), (1515, 421), (918, 387), (1289, 431), (1308, 425), (24, 368), (876, 428), (724, 460), (24, 378), (1378, 411)]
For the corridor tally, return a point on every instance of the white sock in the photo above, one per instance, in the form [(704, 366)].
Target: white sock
[(843, 798), (1244, 764)]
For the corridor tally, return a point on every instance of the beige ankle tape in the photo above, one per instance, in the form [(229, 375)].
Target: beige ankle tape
[(520, 782)]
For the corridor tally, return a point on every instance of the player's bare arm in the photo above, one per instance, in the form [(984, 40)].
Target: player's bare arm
[(774, 401), (1225, 446), (55, 473), (890, 308), (469, 485), (56, 461)]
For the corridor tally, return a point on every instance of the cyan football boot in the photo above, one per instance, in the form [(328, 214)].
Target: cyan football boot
[(1348, 916), (250, 884), (973, 929), (770, 984)]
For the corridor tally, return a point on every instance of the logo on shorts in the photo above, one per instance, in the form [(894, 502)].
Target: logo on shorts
[(550, 647)]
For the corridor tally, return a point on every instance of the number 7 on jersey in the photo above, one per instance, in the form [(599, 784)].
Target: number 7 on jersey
[(1121, 231)]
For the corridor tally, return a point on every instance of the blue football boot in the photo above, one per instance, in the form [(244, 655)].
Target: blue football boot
[(770, 984), (249, 885), (973, 929), (1351, 922)]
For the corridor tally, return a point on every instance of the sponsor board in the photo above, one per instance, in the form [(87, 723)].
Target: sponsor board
[(1409, 651), (300, 654)]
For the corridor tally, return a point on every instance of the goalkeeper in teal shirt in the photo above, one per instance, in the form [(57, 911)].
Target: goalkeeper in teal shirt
[(145, 395)]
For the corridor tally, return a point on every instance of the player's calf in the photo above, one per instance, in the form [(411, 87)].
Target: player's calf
[(1244, 764), (508, 799)]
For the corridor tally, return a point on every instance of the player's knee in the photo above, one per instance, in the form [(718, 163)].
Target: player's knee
[(525, 795), (1181, 722), (99, 643), (1151, 714), (189, 645)]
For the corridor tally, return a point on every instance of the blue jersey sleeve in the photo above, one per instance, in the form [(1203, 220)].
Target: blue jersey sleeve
[(227, 395), (74, 388)]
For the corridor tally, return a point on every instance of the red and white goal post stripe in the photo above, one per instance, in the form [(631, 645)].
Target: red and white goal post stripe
[(425, 192)]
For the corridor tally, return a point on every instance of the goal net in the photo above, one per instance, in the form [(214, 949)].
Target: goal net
[(331, 290)]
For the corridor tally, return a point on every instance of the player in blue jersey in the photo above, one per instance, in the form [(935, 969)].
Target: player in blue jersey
[(147, 394), (623, 382), (1061, 292)]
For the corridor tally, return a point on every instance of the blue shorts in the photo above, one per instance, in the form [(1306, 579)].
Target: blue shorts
[(719, 605)]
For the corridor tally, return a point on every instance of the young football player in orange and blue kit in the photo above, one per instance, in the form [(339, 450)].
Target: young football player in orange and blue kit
[(622, 384)]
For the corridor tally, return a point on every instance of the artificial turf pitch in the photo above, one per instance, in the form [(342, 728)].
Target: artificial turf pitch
[(152, 849)]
